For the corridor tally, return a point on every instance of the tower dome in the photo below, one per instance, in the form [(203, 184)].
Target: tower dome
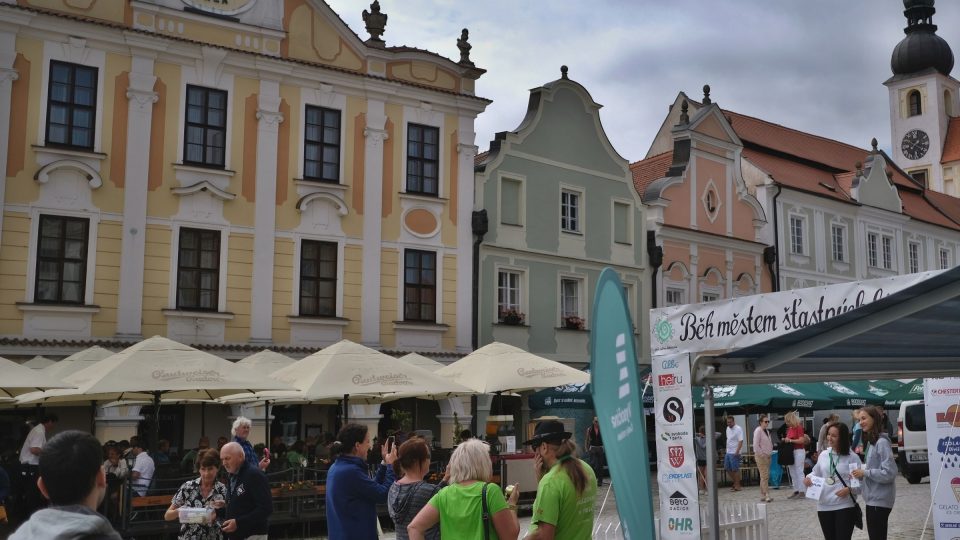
[(922, 48)]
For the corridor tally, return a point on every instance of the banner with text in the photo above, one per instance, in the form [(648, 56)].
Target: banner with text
[(676, 460), (942, 404), (616, 391), (740, 322)]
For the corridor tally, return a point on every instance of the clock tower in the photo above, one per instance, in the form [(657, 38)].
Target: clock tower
[(923, 98)]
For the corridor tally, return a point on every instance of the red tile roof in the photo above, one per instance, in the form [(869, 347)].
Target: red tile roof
[(918, 207), (951, 145), (799, 176), (947, 204), (478, 159), (647, 170)]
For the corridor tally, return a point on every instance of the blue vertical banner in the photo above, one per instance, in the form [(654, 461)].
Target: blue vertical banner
[(614, 384)]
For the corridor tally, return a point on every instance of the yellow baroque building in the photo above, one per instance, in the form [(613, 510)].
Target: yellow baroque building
[(231, 174)]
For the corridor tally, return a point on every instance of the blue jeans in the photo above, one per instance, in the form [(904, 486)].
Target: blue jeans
[(731, 462)]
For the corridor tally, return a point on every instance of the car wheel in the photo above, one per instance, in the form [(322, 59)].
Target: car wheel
[(914, 477)]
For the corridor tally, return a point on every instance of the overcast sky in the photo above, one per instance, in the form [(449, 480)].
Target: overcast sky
[(813, 65)]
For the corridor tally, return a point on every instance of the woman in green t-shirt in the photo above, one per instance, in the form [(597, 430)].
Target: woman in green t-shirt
[(458, 507), (567, 489)]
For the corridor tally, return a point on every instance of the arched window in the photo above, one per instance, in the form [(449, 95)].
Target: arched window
[(916, 109), (947, 103)]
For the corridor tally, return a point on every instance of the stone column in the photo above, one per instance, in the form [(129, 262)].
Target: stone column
[(8, 55), (133, 244), (117, 423), (261, 296), (452, 411), (466, 152), (484, 402), (374, 134), (366, 415)]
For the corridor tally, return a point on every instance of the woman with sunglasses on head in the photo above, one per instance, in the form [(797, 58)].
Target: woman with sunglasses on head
[(459, 507), (762, 452), (878, 473), (567, 486), (835, 507)]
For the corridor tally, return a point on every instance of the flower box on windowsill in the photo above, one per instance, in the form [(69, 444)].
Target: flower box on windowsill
[(512, 320), (568, 329)]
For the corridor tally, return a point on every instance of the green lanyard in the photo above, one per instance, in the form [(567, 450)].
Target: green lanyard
[(833, 466)]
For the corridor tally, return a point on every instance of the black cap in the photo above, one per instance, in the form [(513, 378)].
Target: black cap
[(548, 430)]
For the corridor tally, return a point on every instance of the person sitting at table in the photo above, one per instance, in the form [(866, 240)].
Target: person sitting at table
[(189, 462), (296, 456), (202, 492)]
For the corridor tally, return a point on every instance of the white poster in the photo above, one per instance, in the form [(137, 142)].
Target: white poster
[(676, 461), (740, 322), (942, 411)]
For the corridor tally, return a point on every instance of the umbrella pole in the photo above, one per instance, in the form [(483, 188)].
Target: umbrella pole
[(710, 420), (266, 423), (93, 418), (155, 443), (203, 418), (346, 408)]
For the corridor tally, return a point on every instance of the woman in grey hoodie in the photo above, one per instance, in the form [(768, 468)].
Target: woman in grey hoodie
[(878, 473)]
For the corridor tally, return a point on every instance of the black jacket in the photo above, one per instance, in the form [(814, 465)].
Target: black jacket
[(249, 502)]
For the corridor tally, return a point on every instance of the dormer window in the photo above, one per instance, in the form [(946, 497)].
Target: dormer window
[(913, 99)]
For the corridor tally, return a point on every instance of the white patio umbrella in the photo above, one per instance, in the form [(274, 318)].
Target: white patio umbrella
[(498, 368), (38, 362), (158, 367), (17, 380), (77, 361), (422, 361), (347, 369), (266, 361)]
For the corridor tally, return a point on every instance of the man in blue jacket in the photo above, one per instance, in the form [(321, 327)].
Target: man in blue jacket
[(249, 502)]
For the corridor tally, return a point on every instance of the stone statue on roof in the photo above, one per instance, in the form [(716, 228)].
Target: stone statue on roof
[(464, 47), (376, 23)]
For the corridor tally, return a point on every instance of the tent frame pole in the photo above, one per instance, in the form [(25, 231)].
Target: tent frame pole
[(710, 421)]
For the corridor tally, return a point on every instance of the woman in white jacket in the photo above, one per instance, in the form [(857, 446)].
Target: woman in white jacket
[(835, 508), (878, 474)]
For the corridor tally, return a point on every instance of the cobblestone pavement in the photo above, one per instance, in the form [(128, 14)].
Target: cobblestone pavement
[(789, 519)]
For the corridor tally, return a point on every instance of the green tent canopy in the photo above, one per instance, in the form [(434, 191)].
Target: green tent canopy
[(766, 397), (909, 391), (577, 396), (843, 395)]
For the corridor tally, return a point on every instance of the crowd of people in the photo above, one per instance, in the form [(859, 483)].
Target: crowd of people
[(229, 497)]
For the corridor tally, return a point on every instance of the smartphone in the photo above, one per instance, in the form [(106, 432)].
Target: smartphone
[(390, 441), (266, 453)]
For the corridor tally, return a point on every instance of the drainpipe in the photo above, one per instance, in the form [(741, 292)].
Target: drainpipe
[(480, 225), (655, 257), (771, 253)]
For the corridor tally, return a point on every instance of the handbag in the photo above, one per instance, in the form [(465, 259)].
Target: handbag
[(486, 512), (785, 455), (859, 521)]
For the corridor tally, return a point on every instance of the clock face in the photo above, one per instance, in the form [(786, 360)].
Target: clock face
[(915, 144)]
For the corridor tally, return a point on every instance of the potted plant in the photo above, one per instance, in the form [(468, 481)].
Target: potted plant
[(511, 317), (573, 322)]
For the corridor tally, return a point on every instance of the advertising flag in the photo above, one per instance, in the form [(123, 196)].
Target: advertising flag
[(941, 398), (676, 461), (616, 394)]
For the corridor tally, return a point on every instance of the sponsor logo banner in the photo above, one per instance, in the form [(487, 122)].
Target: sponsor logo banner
[(741, 322), (679, 504), (942, 410)]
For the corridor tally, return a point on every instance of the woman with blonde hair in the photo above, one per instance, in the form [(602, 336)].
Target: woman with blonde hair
[(459, 507), (762, 452), (798, 440)]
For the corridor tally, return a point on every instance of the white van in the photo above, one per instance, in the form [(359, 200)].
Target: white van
[(912, 441)]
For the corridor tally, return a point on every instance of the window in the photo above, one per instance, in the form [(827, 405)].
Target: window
[(913, 255), (621, 223), (420, 286), (321, 144), (508, 293), (206, 127), (198, 270), (837, 233), (423, 159), (318, 278), (709, 297), (675, 297), (913, 99), (71, 105), (569, 211), (944, 258), (947, 103), (887, 252), (569, 298), (872, 240), (510, 201), (796, 235), (62, 260), (920, 176)]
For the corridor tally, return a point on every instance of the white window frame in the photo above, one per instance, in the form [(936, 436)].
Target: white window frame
[(75, 51), (886, 243), (613, 222), (913, 256), (579, 219), (521, 290), (880, 250), (521, 203), (425, 116), (709, 296), (328, 100), (681, 291), (190, 75), (175, 264), (944, 258), (581, 296), (34, 246), (839, 255), (802, 220), (873, 249), (295, 293)]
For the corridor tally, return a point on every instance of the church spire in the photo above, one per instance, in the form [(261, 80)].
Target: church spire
[(922, 48)]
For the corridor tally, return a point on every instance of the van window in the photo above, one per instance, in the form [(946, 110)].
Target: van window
[(915, 419)]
